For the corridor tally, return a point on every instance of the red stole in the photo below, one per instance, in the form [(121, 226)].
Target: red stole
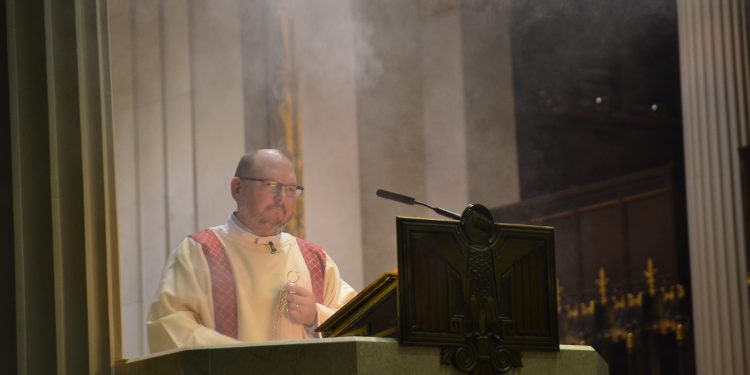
[(222, 279)]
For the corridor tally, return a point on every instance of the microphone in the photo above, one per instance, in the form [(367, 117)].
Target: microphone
[(272, 247), (411, 201)]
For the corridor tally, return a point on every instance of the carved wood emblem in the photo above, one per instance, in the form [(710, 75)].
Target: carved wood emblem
[(481, 291)]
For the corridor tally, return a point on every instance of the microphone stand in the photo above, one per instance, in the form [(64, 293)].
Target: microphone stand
[(411, 201)]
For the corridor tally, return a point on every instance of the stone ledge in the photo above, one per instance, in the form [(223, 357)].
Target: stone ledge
[(342, 355)]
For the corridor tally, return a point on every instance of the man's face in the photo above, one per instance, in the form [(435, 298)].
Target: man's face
[(265, 211)]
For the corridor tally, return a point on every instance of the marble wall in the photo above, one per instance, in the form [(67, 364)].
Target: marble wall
[(177, 113)]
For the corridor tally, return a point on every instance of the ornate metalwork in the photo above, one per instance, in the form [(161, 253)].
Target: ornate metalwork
[(627, 314), (588, 309), (482, 349), (635, 300), (483, 354)]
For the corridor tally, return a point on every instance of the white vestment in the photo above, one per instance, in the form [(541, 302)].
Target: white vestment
[(182, 313)]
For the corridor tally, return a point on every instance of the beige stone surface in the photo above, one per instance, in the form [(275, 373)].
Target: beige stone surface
[(344, 355)]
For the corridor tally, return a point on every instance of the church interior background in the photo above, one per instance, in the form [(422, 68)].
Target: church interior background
[(602, 119)]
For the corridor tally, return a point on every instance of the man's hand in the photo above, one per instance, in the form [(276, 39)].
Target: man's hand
[(301, 305)]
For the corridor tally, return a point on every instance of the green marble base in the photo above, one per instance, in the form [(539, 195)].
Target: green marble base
[(342, 355)]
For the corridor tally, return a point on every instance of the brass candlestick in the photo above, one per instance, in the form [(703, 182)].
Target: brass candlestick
[(601, 282), (650, 274)]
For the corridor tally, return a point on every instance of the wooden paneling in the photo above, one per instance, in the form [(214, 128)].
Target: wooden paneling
[(607, 234), (566, 243), (651, 232), (602, 244)]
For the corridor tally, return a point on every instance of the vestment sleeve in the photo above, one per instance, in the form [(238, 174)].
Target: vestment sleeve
[(337, 292), (181, 313)]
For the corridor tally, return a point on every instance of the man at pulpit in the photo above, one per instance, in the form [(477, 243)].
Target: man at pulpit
[(247, 280)]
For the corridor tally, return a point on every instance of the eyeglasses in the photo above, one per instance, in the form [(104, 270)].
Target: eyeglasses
[(272, 186)]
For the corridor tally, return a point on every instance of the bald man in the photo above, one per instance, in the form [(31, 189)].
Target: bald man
[(247, 280)]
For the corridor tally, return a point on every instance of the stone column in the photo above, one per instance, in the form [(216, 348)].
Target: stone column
[(491, 150), (714, 76), (324, 34), (390, 131)]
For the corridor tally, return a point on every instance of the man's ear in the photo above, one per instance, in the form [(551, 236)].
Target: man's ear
[(236, 187)]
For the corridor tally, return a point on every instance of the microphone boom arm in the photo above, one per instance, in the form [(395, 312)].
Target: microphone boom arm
[(411, 201)]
